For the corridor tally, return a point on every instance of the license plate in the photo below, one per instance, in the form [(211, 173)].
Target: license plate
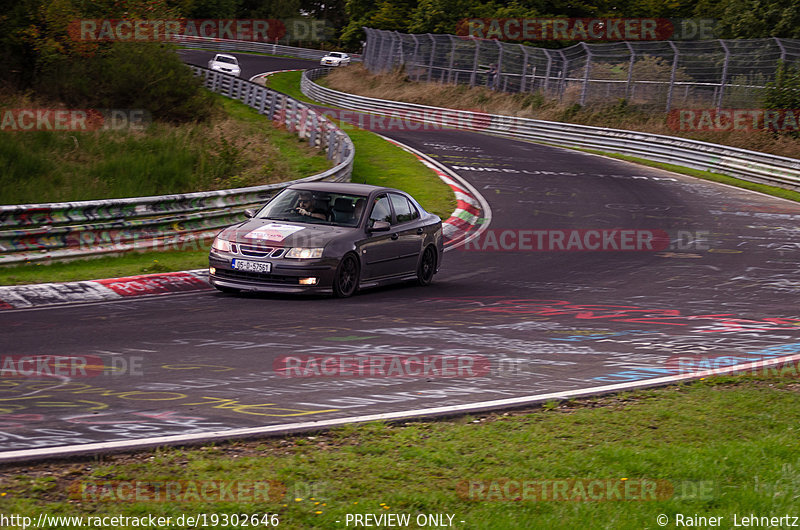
[(251, 266)]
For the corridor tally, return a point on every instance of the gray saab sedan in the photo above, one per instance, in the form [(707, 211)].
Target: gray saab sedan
[(329, 238)]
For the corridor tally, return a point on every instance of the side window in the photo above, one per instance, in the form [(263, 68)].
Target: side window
[(402, 209), (381, 211)]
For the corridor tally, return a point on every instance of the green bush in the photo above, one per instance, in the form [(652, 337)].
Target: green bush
[(784, 91), (533, 101), (570, 112), (147, 76)]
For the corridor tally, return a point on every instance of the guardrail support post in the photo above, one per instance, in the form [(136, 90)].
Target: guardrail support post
[(341, 152), (291, 116), (312, 137), (262, 94), (217, 82), (273, 102), (331, 143)]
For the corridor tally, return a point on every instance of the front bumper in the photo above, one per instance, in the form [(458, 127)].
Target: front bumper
[(283, 278), (228, 71)]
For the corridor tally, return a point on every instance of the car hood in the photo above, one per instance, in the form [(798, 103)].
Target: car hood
[(283, 233)]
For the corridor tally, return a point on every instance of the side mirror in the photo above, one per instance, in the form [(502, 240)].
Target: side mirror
[(249, 213), (379, 226)]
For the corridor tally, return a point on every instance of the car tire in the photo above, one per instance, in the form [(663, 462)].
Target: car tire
[(426, 267), (345, 282)]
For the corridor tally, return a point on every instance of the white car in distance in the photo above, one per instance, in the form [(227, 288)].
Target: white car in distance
[(335, 59), (227, 64)]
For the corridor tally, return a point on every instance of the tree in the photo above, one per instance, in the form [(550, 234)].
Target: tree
[(750, 19)]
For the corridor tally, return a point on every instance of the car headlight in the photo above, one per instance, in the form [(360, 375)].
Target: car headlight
[(221, 245), (304, 253)]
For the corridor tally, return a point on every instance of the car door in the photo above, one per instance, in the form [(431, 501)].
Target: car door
[(410, 234), (380, 251)]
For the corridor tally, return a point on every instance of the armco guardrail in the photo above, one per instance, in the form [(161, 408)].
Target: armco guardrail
[(740, 163), (37, 232), (204, 43)]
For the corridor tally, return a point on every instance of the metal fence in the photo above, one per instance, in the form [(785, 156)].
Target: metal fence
[(670, 74), (38, 232), (740, 163)]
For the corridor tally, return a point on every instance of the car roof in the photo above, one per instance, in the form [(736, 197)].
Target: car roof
[(341, 187), (224, 55)]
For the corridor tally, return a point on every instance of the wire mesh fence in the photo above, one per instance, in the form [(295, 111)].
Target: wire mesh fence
[(669, 74)]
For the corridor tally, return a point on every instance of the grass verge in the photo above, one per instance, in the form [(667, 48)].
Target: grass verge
[(233, 149), (717, 447), (289, 84)]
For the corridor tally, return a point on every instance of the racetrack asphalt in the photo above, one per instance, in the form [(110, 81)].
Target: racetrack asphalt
[(592, 273)]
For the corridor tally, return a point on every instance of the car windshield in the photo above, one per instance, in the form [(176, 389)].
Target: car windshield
[(229, 60), (316, 207)]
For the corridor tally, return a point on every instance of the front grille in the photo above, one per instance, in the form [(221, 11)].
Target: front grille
[(260, 252), (233, 274)]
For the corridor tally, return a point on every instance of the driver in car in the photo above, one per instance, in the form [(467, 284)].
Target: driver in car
[(304, 207)]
